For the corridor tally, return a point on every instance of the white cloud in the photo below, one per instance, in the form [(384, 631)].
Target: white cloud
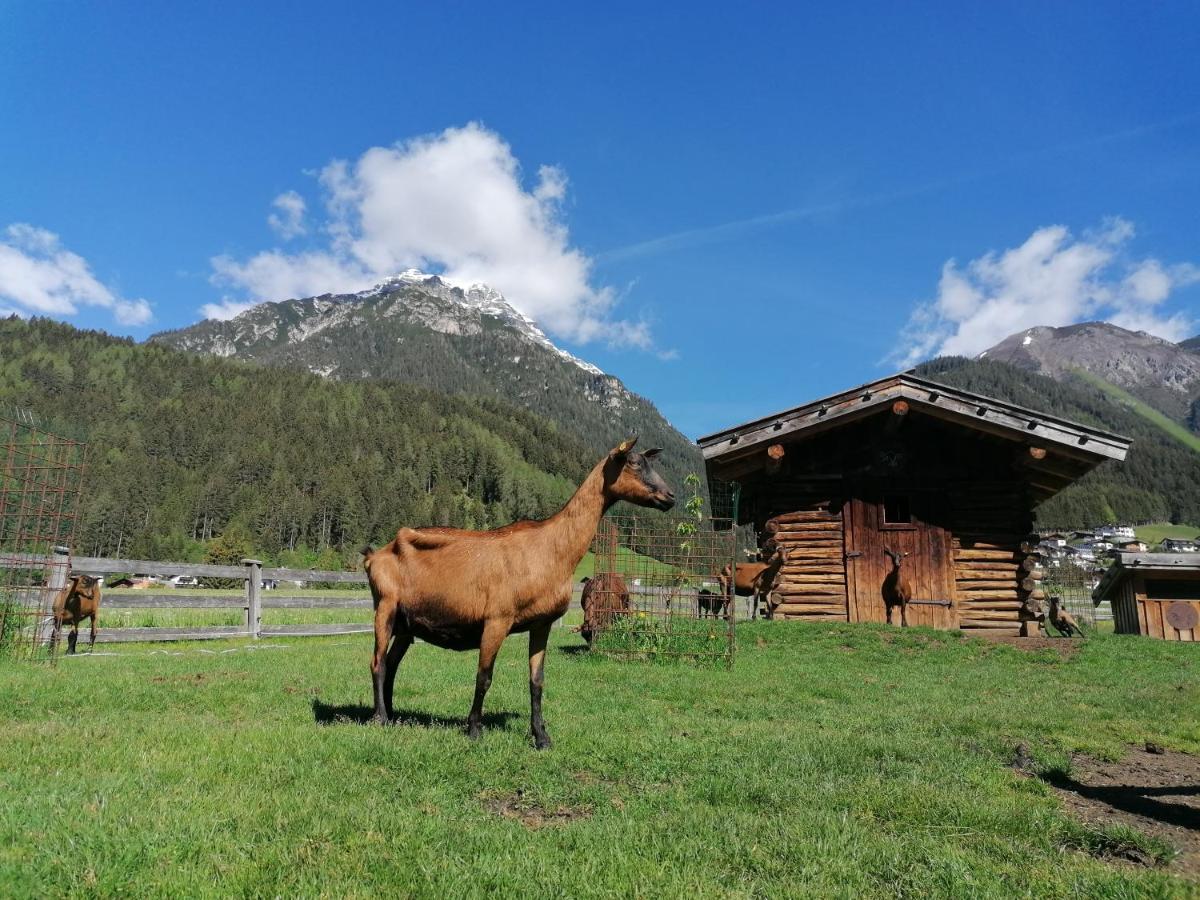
[(38, 276), (453, 203), (1051, 279), (288, 222)]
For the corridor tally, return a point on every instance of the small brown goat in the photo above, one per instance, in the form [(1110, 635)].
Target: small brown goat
[(467, 590), (603, 599), (78, 600), (1063, 620), (897, 591), (752, 579)]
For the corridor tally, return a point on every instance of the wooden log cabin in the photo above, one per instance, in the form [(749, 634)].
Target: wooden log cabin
[(1155, 594), (909, 465)]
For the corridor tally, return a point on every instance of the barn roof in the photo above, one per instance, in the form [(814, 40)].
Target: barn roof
[(1156, 563), (1081, 446)]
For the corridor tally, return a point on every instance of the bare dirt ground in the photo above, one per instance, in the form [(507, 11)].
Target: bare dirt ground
[(1154, 790), (1066, 647)]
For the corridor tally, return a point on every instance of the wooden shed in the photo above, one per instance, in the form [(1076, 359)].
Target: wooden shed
[(1155, 594), (947, 476)]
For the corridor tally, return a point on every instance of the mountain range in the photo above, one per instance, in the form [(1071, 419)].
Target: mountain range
[(1164, 375), (419, 329)]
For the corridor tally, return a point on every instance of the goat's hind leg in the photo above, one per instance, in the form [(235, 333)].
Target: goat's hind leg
[(385, 620), (494, 633), (400, 644)]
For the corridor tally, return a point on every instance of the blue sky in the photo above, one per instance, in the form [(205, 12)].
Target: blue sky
[(734, 208)]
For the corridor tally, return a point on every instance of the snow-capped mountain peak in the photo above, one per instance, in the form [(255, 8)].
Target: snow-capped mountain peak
[(483, 298)]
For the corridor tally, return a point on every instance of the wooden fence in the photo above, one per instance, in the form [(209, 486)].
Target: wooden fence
[(253, 600)]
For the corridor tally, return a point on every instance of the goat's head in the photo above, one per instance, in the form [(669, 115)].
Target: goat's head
[(83, 584), (895, 557), (631, 476)]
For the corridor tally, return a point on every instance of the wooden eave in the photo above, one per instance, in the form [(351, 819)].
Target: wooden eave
[(1125, 564), (1077, 448)]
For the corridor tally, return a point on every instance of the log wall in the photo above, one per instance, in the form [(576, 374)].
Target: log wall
[(812, 583), (996, 574)]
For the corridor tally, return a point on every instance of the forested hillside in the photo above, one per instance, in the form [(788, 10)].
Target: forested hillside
[(1159, 481), (417, 329), (184, 448)]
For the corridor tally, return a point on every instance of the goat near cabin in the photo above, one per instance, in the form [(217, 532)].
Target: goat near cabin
[(1063, 620), (602, 600), (752, 579), (78, 600), (468, 590), (897, 590)]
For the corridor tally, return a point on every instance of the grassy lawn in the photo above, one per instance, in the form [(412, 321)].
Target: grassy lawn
[(1153, 534), (115, 617), (842, 760)]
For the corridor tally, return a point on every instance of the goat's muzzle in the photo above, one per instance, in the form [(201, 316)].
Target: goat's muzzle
[(663, 500)]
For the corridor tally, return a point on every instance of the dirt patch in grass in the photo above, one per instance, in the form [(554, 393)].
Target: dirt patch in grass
[(530, 813), (1152, 790), (1065, 647)]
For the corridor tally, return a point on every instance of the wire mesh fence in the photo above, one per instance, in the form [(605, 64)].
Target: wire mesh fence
[(1073, 584), (40, 487), (662, 587)]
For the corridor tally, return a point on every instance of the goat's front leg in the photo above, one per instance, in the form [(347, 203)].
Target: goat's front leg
[(92, 636), (72, 638), (903, 615), (494, 633), (537, 661)]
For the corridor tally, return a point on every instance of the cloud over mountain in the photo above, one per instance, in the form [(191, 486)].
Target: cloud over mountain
[(454, 203), (1053, 279)]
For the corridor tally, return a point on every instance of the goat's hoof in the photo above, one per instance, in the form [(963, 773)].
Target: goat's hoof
[(381, 719), (542, 743), (474, 732)]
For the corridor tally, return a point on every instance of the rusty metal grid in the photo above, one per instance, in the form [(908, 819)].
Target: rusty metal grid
[(41, 479), (658, 591), (1073, 585)]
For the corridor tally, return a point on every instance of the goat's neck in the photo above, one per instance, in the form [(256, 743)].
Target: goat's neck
[(574, 526)]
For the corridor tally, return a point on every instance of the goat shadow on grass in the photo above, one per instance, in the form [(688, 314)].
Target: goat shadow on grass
[(1135, 799), (359, 714), (574, 649)]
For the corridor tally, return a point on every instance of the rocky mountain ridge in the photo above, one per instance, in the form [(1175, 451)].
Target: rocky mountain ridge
[(1162, 374)]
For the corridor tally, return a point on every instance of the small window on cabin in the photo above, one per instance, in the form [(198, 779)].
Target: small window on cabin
[(896, 510)]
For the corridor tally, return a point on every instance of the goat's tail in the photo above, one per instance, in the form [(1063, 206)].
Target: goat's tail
[(367, 550)]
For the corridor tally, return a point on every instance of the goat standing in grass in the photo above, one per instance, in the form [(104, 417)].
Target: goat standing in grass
[(78, 600), (468, 590), (897, 591)]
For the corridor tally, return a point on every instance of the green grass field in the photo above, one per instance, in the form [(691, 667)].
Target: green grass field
[(1153, 534), (842, 760)]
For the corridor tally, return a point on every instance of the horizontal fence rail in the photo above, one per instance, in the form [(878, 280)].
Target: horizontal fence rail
[(352, 594)]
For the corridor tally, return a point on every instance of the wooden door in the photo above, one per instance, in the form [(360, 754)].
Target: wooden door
[(905, 523)]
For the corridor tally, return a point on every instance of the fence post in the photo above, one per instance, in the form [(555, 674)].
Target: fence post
[(56, 580), (253, 595)]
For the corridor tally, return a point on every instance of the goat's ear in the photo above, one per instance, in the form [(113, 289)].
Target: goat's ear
[(623, 448), (650, 454)]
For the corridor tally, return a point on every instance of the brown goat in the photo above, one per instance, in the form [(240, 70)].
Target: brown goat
[(78, 600), (1063, 620), (752, 579), (467, 590), (603, 599), (897, 591)]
